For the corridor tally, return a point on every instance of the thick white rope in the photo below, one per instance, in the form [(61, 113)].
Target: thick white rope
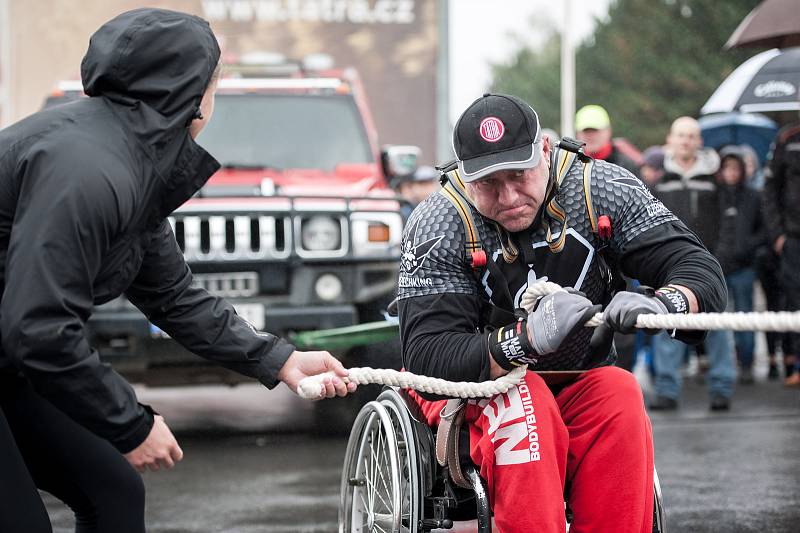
[(768, 321), (312, 386)]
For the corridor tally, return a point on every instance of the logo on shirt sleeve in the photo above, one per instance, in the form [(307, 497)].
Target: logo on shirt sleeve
[(415, 252)]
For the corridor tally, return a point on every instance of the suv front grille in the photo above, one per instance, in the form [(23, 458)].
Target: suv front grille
[(229, 285), (232, 237)]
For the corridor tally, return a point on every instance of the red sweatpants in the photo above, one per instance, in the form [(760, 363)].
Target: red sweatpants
[(594, 436)]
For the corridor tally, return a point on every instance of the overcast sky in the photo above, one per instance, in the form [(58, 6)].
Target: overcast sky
[(483, 32)]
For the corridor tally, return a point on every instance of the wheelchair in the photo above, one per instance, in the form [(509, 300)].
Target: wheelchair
[(391, 481)]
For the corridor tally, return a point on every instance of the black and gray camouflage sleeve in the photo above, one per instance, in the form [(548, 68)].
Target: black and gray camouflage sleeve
[(433, 259), (438, 298)]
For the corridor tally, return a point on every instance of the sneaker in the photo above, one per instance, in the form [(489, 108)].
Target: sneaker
[(720, 403), (792, 381), (664, 403), (746, 376), (773, 374)]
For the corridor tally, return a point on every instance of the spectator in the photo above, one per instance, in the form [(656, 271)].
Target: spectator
[(416, 187), (652, 168), (688, 188), (767, 267), (740, 235), (754, 172), (781, 202), (593, 127)]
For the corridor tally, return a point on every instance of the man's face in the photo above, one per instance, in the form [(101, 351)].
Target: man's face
[(595, 139), (512, 197), (684, 138)]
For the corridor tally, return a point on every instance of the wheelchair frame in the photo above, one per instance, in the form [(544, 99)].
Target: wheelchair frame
[(391, 481)]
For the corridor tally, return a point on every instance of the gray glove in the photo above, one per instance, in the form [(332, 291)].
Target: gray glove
[(556, 317), (625, 307)]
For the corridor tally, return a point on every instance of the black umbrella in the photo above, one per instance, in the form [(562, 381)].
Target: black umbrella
[(772, 23), (766, 82)]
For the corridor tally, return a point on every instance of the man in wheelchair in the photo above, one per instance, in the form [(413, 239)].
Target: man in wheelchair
[(515, 209)]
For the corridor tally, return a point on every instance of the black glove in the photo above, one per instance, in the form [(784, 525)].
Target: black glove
[(624, 309)]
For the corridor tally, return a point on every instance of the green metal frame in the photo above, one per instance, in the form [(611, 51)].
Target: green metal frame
[(347, 337)]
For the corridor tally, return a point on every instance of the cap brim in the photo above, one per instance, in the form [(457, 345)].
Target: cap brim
[(518, 158)]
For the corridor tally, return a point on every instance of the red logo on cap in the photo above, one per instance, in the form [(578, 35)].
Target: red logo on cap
[(491, 129)]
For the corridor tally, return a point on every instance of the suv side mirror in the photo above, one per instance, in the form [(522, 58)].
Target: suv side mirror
[(399, 160)]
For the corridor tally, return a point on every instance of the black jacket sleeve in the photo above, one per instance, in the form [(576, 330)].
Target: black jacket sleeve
[(772, 196), (439, 338), (64, 223), (202, 323)]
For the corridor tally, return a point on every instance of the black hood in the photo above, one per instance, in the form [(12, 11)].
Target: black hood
[(154, 57), (153, 66)]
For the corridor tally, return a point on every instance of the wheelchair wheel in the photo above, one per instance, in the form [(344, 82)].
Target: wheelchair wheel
[(381, 487)]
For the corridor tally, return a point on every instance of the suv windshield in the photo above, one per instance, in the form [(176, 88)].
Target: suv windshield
[(286, 131)]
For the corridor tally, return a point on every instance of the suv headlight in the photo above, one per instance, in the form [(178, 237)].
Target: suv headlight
[(320, 234), (376, 234)]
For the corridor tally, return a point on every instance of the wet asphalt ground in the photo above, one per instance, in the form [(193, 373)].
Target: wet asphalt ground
[(251, 464)]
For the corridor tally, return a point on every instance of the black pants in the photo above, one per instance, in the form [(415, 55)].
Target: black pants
[(768, 271), (42, 447), (790, 280)]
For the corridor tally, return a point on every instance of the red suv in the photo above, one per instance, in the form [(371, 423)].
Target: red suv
[(299, 229)]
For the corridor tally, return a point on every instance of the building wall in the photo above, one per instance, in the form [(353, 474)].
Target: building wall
[(392, 43)]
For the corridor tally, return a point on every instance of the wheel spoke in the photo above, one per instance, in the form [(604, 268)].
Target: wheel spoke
[(375, 464), (368, 481), (387, 466)]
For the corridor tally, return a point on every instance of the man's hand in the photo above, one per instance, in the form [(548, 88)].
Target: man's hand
[(556, 317), (159, 449), (624, 309), (303, 364)]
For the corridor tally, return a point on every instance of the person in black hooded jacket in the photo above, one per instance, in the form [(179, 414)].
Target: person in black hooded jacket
[(85, 189), (742, 239)]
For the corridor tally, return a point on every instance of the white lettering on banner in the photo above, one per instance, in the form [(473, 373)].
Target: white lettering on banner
[(351, 11), (515, 404)]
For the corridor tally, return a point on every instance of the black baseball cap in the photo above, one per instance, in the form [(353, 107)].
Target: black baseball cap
[(496, 132)]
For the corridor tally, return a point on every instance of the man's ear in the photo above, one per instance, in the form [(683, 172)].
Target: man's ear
[(547, 146)]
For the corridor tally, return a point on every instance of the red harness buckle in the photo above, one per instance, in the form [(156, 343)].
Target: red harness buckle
[(478, 259), (604, 227)]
